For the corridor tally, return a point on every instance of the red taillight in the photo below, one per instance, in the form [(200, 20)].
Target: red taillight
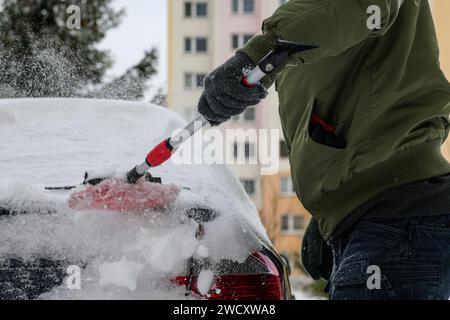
[(260, 286)]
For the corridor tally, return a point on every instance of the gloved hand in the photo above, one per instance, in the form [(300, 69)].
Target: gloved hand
[(225, 95), (317, 256)]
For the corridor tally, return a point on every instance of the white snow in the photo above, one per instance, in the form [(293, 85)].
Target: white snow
[(7, 117), (102, 172), (170, 251), (51, 142), (123, 273), (204, 281), (203, 251), (301, 295)]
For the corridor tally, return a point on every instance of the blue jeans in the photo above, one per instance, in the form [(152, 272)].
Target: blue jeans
[(399, 259)]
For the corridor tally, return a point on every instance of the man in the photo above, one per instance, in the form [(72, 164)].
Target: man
[(364, 117)]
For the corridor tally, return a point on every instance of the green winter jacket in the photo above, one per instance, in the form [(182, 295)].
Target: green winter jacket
[(383, 89)]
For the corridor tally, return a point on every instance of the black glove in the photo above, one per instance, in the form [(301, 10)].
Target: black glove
[(225, 95), (317, 256)]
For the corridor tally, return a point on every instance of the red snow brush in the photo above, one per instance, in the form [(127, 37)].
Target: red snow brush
[(117, 195)]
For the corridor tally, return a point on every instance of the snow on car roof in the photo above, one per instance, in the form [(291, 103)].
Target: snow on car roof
[(53, 141)]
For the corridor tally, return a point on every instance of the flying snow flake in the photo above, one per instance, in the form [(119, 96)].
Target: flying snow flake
[(203, 251), (123, 273)]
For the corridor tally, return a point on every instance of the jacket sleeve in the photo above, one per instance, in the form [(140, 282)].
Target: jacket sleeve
[(335, 25)]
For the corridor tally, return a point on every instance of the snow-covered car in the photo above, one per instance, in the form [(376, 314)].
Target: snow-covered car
[(208, 244)]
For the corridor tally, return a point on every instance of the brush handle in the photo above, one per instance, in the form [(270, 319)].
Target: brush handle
[(163, 151), (274, 59), (188, 131)]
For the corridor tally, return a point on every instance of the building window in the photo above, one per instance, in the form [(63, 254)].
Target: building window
[(284, 150), (194, 80), (240, 40), (188, 9), (285, 223), (188, 81), (235, 6), (235, 44), (287, 187), (200, 77), (198, 9), (196, 45), (292, 223), (201, 45), (187, 45), (249, 6), (249, 115), (249, 186), (299, 223), (202, 9), (243, 6), (249, 150)]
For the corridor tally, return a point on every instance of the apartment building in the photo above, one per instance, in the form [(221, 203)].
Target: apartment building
[(202, 35), (205, 33)]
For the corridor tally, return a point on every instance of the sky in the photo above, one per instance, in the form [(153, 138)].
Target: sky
[(143, 26)]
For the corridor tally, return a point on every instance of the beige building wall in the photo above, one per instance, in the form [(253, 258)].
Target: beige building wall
[(179, 99), (218, 27), (441, 12), (275, 206)]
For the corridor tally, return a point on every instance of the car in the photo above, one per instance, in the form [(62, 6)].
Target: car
[(209, 244)]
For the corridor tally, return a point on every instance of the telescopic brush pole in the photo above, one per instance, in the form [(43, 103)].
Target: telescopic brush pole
[(163, 151)]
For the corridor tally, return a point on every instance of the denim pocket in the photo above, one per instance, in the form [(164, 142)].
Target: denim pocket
[(351, 282), (443, 231), (403, 279), (437, 224), (383, 236), (411, 279)]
